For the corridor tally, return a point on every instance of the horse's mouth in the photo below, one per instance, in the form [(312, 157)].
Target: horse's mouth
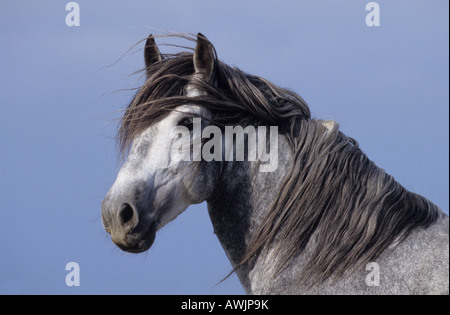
[(141, 242)]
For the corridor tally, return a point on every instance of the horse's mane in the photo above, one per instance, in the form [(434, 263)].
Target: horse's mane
[(333, 193), (234, 98), (336, 197)]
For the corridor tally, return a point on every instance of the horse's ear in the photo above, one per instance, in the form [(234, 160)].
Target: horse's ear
[(203, 58), (151, 53)]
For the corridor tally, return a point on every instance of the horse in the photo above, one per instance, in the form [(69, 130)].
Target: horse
[(323, 219)]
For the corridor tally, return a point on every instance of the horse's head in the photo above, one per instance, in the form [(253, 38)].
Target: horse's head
[(156, 183)]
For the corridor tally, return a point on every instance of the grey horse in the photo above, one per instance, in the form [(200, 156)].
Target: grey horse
[(295, 203)]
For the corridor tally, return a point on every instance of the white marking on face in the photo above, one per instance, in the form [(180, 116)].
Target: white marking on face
[(150, 163), (191, 91)]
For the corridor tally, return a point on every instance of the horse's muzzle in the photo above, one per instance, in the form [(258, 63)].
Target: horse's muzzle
[(128, 231)]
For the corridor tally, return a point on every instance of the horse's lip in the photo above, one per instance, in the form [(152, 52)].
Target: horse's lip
[(144, 242)]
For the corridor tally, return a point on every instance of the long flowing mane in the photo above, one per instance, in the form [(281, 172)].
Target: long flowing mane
[(333, 194)]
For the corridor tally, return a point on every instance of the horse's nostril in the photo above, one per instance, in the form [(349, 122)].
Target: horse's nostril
[(126, 213)]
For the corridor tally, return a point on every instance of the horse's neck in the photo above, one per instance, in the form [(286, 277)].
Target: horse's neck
[(240, 207), (246, 196)]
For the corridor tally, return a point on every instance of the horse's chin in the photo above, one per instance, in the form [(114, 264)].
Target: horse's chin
[(141, 242)]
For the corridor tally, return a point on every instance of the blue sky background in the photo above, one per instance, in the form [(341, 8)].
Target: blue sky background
[(387, 86)]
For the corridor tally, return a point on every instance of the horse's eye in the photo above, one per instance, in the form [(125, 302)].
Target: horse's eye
[(187, 122)]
